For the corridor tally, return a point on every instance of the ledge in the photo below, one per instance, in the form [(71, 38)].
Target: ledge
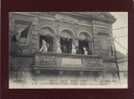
[(68, 55), (96, 68), (57, 55)]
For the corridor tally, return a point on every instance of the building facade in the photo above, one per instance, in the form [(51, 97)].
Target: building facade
[(63, 42)]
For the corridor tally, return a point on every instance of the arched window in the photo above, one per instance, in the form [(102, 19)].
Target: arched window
[(85, 43), (66, 41), (46, 34)]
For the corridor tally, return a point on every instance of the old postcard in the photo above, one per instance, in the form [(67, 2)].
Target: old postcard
[(68, 50)]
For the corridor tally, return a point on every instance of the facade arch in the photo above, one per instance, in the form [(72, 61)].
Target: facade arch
[(47, 30), (47, 34), (67, 33), (83, 35)]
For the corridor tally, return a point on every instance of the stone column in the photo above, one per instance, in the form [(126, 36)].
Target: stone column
[(34, 36), (91, 46), (95, 42)]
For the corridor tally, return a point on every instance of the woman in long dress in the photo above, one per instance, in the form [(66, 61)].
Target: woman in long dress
[(85, 51), (44, 47), (59, 47), (73, 49)]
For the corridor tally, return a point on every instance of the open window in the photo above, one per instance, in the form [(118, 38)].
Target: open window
[(49, 41), (85, 42), (66, 45), (66, 41), (47, 35)]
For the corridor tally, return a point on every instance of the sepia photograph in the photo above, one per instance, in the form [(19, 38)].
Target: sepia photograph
[(50, 50)]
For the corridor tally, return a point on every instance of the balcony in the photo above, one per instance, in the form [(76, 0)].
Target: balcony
[(67, 62)]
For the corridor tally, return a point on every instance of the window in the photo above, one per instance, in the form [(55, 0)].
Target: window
[(66, 45), (85, 43), (66, 41), (46, 39), (49, 41)]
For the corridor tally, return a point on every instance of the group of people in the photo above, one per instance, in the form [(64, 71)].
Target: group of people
[(45, 46), (74, 50)]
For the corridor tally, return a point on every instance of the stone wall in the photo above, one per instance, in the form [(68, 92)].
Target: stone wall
[(53, 24), (59, 22)]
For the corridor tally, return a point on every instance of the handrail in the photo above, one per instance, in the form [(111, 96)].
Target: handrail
[(71, 68), (66, 55)]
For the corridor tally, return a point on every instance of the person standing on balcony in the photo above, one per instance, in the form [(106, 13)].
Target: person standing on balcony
[(85, 51), (44, 47), (73, 49), (59, 47)]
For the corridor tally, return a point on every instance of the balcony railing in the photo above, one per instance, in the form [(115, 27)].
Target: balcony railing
[(54, 61)]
